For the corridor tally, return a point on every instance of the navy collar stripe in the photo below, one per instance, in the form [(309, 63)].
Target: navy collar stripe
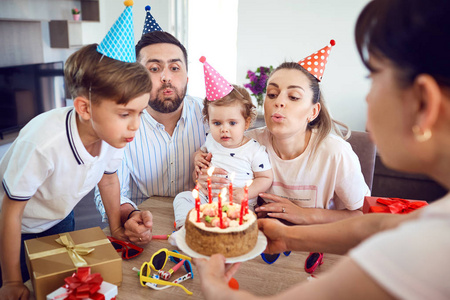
[(70, 138)]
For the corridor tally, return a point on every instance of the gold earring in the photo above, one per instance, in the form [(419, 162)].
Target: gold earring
[(421, 136)]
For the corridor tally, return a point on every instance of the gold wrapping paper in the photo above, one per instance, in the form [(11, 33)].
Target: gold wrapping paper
[(49, 262)]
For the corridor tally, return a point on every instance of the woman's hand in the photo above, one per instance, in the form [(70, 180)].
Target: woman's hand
[(281, 208), (214, 275), (14, 290), (274, 230)]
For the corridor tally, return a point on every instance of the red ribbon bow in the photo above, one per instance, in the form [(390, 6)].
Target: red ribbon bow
[(83, 284), (397, 206)]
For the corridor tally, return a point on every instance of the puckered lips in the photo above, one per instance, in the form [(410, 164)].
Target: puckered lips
[(278, 118)]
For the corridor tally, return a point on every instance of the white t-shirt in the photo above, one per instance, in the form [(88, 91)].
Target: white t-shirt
[(48, 166), (411, 261), (243, 161), (333, 180)]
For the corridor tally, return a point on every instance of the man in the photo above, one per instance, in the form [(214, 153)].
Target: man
[(159, 161)]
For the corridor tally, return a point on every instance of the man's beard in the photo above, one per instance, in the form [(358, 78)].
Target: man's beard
[(167, 106)]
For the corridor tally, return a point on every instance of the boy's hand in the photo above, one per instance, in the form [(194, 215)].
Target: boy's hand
[(14, 290), (138, 228)]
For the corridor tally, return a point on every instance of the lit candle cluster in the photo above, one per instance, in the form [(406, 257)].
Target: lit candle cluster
[(222, 196), (244, 203)]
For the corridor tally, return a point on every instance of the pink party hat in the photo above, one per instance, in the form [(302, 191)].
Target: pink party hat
[(315, 63), (217, 87)]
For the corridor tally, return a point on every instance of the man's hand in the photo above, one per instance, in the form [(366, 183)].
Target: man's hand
[(138, 228), (217, 182)]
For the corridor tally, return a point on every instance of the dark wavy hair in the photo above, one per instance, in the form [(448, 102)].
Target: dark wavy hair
[(412, 34), (160, 37)]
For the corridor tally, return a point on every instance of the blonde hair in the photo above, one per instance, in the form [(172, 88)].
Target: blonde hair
[(237, 95)]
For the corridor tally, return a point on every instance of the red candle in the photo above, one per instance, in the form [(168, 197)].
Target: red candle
[(208, 180), (219, 210), (241, 215), (209, 190), (197, 201), (230, 188), (246, 195)]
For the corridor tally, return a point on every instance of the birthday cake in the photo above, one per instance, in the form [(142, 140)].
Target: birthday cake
[(207, 234)]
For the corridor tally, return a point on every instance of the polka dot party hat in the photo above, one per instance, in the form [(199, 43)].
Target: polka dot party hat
[(216, 86), (118, 43), (315, 63), (150, 22)]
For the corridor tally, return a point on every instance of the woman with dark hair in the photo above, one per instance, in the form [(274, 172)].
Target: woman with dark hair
[(404, 45)]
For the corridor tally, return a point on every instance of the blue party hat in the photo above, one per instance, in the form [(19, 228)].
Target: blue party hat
[(119, 42), (150, 22)]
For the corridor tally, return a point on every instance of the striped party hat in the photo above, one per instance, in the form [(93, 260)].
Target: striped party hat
[(217, 87), (118, 43), (315, 63), (150, 22)]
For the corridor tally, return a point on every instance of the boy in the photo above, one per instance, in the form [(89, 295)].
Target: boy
[(61, 155)]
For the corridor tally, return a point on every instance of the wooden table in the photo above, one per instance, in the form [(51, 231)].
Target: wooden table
[(254, 276)]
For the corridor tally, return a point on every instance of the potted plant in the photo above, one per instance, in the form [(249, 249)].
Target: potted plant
[(76, 14), (257, 85)]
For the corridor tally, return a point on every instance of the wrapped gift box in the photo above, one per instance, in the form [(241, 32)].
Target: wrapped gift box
[(108, 290), (49, 263), (391, 205)]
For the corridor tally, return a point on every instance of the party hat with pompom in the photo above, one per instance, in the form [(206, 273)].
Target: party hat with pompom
[(217, 87), (315, 63), (119, 41), (150, 22)]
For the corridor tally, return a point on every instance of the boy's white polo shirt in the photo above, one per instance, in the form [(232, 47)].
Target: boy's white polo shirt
[(48, 166)]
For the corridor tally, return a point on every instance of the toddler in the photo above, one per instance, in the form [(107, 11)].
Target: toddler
[(228, 117)]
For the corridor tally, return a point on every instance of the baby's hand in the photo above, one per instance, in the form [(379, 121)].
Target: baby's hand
[(201, 161), (238, 194)]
